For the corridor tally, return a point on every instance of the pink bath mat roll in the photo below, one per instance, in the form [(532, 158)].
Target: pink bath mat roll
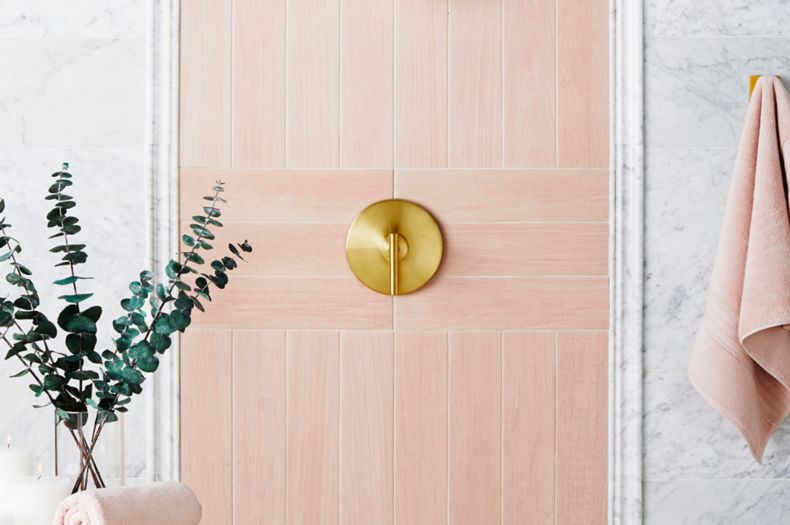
[(741, 359), (152, 504)]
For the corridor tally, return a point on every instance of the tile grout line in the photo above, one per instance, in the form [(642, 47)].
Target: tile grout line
[(340, 83), (502, 427), (502, 83), (556, 384), (232, 66), (285, 84), (556, 84), (340, 427), (447, 92), (233, 425), (394, 432), (285, 366), (448, 427)]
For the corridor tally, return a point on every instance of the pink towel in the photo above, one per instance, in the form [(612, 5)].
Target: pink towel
[(741, 359), (154, 504)]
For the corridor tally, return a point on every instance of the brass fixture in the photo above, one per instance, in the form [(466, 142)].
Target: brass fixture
[(394, 246)]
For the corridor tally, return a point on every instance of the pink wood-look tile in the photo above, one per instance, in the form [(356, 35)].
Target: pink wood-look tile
[(506, 303), (475, 427), (582, 408), (421, 83), (366, 83), (529, 72), (206, 421), (524, 195), (367, 427), (312, 71), (528, 426), (475, 84), (204, 117), (313, 428), (583, 83), (287, 196), (286, 250), (322, 303), (258, 83), (525, 249), (259, 427), (420, 428)]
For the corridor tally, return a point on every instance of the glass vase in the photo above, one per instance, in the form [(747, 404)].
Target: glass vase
[(86, 451)]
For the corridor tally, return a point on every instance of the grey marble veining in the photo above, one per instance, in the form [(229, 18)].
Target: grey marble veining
[(73, 19), (686, 193), (71, 92), (688, 439), (675, 295), (717, 502), (72, 88), (676, 18), (697, 88)]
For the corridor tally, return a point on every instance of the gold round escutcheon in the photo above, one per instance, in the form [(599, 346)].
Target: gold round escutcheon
[(394, 246)]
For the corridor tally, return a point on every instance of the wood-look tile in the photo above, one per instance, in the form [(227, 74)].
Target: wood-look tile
[(258, 92), (421, 83), (475, 427), (366, 83), (313, 80), (317, 303), (583, 83), (258, 427), (286, 195), (420, 428), (509, 195), (205, 77), (505, 303), (528, 427), (367, 428), (529, 75), (206, 421), (582, 426), (313, 428), (475, 84), (286, 250), (525, 249)]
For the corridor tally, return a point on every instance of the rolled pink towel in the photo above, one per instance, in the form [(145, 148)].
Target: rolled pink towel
[(152, 504)]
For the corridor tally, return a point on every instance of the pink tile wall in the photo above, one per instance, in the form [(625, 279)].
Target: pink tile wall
[(478, 399)]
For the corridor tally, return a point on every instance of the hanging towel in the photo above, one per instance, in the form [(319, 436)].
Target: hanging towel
[(741, 359), (153, 504)]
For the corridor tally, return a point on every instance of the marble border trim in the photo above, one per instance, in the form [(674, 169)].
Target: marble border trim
[(626, 258), (161, 173)]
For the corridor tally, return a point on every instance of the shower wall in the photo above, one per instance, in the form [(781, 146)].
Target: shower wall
[(482, 398), (698, 58)]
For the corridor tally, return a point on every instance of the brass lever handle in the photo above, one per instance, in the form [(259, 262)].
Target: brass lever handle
[(394, 252)]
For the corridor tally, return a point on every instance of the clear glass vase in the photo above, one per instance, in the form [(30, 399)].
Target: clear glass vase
[(87, 452)]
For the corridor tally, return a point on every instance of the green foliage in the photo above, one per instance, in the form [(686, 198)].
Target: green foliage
[(77, 376)]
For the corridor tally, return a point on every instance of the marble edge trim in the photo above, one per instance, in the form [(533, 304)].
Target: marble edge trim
[(626, 263), (161, 173)]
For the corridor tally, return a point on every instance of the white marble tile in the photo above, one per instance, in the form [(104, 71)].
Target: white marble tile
[(686, 194), (685, 438), (675, 295), (108, 189), (721, 502), (717, 18), (72, 92), (696, 89), (75, 18)]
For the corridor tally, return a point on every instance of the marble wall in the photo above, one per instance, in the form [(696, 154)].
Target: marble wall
[(698, 58), (72, 88)]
